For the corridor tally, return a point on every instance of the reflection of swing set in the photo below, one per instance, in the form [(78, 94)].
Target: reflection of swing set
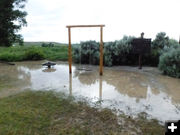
[(100, 86), (101, 47)]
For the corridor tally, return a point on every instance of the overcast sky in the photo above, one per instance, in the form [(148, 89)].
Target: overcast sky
[(47, 19)]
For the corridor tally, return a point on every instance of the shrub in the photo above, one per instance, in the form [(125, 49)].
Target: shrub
[(34, 53), (108, 53), (170, 62), (47, 45), (160, 41), (117, 53), (11, 57), (86, 52), (20, 53)]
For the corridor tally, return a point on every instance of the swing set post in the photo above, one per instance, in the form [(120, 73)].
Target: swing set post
[(70, 50), (101, 51), (101, 46)]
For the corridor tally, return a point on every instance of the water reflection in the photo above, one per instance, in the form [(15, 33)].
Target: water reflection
[(70, 84), (49, 70), (13, 79), (100, 88), (125, 88), (87, 81)]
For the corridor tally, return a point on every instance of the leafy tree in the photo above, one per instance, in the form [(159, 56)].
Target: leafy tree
[(12, 18)]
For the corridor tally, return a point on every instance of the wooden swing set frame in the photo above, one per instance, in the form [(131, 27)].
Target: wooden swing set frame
[(101, 45)]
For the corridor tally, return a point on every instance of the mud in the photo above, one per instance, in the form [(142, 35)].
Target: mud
[(124, 88)]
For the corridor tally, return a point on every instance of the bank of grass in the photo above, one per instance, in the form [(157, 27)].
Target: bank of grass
[(47, 113), (23, 53)]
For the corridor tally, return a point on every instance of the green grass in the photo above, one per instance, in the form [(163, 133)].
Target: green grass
[(48, 113), (18, 53)]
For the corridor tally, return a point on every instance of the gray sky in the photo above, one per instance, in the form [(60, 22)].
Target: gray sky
[(47, 19)]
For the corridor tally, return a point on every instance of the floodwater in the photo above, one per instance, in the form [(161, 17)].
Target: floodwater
[(124, 88)]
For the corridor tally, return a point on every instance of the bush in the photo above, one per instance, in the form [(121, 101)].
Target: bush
[(160, 41), (47, 45), (34, 54), (118, 52), (160, 44), (11, 57), (170, 62), (86, 52), (115, 53), (21, 53)]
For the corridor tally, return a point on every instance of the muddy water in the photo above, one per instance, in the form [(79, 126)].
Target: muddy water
[(125, 88)]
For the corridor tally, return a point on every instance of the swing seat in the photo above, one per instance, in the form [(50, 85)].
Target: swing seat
[(84, 69)]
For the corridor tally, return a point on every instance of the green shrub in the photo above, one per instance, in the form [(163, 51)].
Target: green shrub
[(20, 53), (115, 53), (118, 52), (162, 43), (34, 53), (47, 45), (170, 62), (11, 57), (86, 52)]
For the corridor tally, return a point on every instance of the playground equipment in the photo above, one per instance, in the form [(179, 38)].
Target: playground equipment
[(49, 64), (101, 45)]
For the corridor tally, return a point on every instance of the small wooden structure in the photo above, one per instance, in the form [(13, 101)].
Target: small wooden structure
[(101, 45), (141, 46)]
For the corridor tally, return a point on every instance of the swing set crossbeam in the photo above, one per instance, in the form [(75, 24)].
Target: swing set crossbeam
[(79, 26), (101, 45)]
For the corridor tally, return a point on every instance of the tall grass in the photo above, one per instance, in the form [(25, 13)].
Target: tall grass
[(21, 53)]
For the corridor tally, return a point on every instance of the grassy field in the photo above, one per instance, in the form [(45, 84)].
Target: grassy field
[(48, 113), (22, 53)]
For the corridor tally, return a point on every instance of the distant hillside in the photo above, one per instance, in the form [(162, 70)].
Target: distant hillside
[(40, 43)]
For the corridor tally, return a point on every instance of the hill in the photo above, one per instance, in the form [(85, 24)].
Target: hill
[(40, 43)]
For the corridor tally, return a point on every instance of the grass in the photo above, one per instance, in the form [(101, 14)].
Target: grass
[(48, 113), (18, 53)]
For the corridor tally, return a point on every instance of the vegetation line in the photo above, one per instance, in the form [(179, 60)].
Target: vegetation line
[(7, 63)]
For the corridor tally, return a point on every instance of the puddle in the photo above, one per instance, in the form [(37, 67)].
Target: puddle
[(125, 88)]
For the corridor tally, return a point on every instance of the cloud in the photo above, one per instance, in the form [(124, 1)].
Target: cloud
[(47, 19)]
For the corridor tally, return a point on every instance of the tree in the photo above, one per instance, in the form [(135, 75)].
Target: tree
[(12, 19)]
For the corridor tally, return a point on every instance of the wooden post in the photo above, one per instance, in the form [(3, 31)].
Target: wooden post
[(70, 51), (140, 61), (140, 55), (101, 51)]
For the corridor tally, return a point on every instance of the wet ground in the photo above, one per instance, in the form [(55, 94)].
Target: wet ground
[(127, 89)]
